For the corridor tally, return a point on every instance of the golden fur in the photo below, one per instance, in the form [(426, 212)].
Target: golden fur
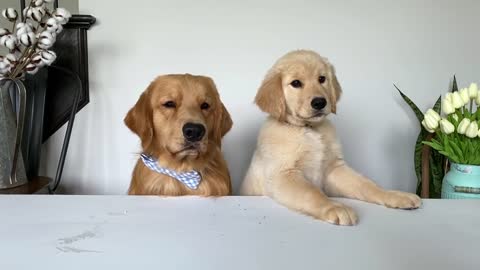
[(298, 158), (160, 131)]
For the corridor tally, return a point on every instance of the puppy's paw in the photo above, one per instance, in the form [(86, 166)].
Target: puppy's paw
[(402, 200), (338, 214)]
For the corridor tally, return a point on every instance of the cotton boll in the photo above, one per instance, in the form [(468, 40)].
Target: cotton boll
[(28, 39), (45, 43), (38, 3), (31, 68), (23, 28), (9, 41), (4, 32), (48, 57), (52, 25), (61, 15), (10, 59), (10, 14)]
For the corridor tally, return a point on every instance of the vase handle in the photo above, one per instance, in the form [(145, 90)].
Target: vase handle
[(22, 95)]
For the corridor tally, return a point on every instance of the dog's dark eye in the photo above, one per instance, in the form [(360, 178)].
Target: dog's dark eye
[(205, 106), (169, 104), (296, 84), (321, 79)]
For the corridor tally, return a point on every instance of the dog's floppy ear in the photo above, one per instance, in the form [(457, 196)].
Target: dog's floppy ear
[(139, 120), (335, 88), (270, 97), (223, 124)]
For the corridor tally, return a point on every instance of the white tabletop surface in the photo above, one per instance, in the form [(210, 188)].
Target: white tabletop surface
[(120, 232)]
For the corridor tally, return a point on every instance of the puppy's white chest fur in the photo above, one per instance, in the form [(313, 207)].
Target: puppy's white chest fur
[(315, 156)]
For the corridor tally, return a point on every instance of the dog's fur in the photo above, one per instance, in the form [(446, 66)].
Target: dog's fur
[(298, 158), (160, 132)]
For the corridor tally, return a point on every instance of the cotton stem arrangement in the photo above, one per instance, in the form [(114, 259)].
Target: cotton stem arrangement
[(29, 40)]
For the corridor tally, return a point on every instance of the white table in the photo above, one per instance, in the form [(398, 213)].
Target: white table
[(120, 232)]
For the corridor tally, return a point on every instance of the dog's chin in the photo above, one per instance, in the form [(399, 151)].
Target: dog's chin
[(311, 119), (189, 151)]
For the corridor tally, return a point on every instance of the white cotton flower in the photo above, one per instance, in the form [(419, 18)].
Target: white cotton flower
[(9, 41), (4, 31), (31, 68), (61, 15), (462, 127), (48, 57), (473, 90), (465, 95), (53, 25), (45, 43), (10, 14), (38, 3), (28, 39), (23, 28), (35, 13), (472, 130), (10, 59)]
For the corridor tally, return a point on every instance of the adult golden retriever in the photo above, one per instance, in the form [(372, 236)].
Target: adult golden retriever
[(298, 158), (181, 120)]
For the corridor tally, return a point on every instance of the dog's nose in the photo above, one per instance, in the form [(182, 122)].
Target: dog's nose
[(193, 132), (318, 103)]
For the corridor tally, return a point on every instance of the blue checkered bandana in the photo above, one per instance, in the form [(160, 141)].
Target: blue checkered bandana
[(190, 179)]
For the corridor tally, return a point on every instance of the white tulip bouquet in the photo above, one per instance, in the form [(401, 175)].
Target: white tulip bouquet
[(29, 39), (457, 134)]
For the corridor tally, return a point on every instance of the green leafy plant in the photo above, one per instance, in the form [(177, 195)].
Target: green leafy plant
[(437, 160)]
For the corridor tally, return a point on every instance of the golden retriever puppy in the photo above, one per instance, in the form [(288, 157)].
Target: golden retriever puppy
[(298, 161), (180, 120)]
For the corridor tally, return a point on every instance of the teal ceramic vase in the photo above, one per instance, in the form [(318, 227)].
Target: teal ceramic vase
[(461, 182)]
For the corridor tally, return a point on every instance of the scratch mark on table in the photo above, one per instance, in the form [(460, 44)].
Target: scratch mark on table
[(67, 249)]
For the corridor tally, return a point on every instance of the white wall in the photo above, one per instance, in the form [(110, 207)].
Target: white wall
[(418, 45)]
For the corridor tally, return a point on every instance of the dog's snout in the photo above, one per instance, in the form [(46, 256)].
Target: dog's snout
[(318, 103), (193, 132)]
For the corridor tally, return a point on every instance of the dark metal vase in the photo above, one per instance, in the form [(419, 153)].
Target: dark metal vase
[(12, 168)]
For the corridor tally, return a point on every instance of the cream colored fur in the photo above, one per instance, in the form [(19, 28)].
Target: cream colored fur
[(298, 161)]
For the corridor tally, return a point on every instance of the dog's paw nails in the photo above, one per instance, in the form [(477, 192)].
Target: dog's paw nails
[(402, 200), (339, 215)]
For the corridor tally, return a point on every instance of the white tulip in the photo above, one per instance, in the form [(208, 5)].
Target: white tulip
[(10, 14), (426, 127), (61, 15), (473, 90), (48, 57), (465, 95), (9, 41), (462, 127), (477, 100), (434, 114), (448, 96), (447, 106), (446, 127), (478, 133), (431, 122), (28, 39), (457, 101), (455, 117), (472, 130)]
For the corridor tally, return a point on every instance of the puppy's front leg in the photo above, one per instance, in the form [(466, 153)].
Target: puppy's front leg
[(345, 182), (292, 190)]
